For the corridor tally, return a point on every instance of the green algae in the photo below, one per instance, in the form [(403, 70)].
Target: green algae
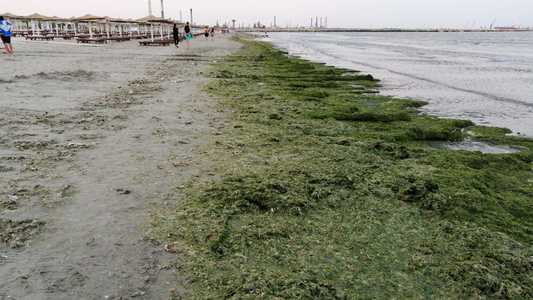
[(328, 192)]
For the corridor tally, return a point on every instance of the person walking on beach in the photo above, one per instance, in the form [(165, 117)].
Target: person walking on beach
[(5, 35), (188, 34), (176, 35), (212, 33), (206, 33)]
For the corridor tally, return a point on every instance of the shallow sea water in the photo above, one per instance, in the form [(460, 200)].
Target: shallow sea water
[(476, 146), (484, 77)]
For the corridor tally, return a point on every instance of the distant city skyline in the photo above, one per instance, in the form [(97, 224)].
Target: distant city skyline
[(340, 13)]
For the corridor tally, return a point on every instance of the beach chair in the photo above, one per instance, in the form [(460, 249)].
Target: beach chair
[(92, 40), (158, 42)]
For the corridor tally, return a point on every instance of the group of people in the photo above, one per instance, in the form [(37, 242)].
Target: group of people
[(5, 35), (177, 36), (209, 32), (187, 29)]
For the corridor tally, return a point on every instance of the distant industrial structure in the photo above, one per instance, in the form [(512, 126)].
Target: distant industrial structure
[(243, 28), (320, 24), (317, 23)]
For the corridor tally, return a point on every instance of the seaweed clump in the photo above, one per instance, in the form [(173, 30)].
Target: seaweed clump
[(16, 234)]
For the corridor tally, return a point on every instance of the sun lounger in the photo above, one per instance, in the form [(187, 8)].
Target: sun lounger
[(139, 37), (164, 42), (92, 40), (40, 37), (119, 38)]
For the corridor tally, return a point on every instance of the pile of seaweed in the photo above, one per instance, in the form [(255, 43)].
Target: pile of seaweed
[(327, 190)]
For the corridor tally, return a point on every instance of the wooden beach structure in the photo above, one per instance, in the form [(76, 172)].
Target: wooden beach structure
[(40, 27), (90, 29), (150, 30), (131, 29), (160, 31), (100, 30)]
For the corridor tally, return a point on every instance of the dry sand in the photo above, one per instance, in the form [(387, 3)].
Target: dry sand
[(91, 139)]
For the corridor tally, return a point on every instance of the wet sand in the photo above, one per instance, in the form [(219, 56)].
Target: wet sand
[(91, 140)]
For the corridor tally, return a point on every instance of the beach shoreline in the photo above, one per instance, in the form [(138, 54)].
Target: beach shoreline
[(323, 189), (484, 78)]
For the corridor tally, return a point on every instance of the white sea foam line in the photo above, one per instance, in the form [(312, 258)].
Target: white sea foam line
[(60, 43)]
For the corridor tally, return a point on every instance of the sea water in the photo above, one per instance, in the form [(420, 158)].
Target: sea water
[(484, 77)]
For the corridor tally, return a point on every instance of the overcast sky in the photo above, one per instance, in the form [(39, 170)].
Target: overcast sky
[(340, 13)]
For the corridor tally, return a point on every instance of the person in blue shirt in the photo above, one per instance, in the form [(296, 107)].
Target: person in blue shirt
[(5, 34)]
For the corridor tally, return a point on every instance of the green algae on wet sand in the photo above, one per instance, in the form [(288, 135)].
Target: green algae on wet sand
[(326, 191)]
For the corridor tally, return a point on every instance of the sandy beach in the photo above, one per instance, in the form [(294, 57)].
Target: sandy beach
[(235, 171), (91, 140)]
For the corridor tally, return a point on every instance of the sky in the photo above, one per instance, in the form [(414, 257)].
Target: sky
[(340, 13)]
